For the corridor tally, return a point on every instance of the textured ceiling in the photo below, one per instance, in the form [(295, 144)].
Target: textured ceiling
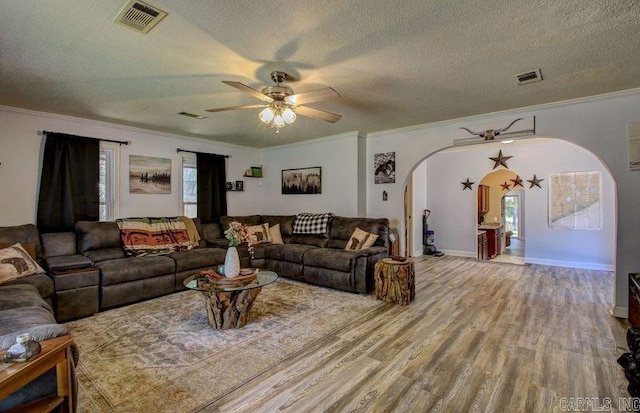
[(395, 64)]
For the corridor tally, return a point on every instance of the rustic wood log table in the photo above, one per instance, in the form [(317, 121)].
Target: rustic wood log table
[(395, 281), (228, 304)]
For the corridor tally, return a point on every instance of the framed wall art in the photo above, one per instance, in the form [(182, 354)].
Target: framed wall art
[(574, 201), (149, 175), (385, 168), (302, 181)]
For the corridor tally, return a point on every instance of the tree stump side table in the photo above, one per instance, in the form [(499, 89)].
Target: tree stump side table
[(395, 281)]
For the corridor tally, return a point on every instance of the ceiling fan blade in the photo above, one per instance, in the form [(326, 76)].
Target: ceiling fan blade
[(237, 107), (312, 96), (249, 90), (318, 114)]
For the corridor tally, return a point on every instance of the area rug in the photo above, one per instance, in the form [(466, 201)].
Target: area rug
[(161, 355)]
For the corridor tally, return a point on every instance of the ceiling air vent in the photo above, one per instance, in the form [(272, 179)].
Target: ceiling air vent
[(139, 16), (529, 77)]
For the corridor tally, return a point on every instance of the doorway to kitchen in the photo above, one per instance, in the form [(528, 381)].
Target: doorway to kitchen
[(512, 210)]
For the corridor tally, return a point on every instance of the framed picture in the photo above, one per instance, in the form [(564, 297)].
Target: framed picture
[(239, 185), (574, 201), (149, 175), (385, 168), (302, 181)]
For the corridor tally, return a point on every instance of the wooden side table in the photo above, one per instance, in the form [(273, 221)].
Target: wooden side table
[(55, 353), (395, 281)]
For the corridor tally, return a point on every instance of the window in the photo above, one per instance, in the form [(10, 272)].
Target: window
[(189, 187), (107, 184)]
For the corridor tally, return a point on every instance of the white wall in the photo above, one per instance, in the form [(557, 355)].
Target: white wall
[(598, 124), (338, 157), (21, 152), (454, 210)]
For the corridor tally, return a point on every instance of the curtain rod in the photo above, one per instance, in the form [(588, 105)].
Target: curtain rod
[(184, 150), (42, 132)]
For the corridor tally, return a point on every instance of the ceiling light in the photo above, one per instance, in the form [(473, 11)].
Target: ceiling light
[(267, 115), (278, 117), (288, 115), (507, 141)]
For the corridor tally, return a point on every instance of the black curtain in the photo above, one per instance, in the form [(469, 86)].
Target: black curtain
[(212, 191), (69, 182)]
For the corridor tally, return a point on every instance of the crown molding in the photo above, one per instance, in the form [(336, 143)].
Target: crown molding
[(550, 105)]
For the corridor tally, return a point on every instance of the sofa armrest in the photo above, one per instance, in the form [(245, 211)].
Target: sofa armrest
[(367, 252)]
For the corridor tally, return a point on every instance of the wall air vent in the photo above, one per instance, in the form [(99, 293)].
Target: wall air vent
[(139, 16), (192, 115), (529, 77)]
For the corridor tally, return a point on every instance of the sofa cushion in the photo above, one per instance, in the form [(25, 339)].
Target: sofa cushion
[(42, 282), (16, 263), (105, 254), (198, 258), (23, 234), (211, 232), (37, 321), (135, 268), (67, 262), (59, 243), (94, 236), (307, 223), (286, 252), (285, 221), (339, 260), (21, 295), (246, 220)]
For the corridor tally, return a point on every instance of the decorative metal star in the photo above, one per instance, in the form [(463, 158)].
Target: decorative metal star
[(517, 181), (535, 181), (467, 184), (500, 160), (505, 186)]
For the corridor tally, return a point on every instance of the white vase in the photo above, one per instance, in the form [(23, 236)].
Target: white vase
[(232, 263)]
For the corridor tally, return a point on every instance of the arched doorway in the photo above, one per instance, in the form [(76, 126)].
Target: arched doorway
[(501, 217), (454, 214)]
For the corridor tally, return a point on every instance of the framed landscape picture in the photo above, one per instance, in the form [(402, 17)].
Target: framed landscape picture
[(149, 175), (302, 181)]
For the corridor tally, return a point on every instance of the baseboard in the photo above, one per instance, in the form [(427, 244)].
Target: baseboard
[(620, 312), (461, 253), (571, 264)]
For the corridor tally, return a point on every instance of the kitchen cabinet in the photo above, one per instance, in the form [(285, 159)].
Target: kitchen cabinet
[(483, 245), (483, 198)]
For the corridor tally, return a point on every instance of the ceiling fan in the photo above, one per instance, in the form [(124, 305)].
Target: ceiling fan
[(281, 105)]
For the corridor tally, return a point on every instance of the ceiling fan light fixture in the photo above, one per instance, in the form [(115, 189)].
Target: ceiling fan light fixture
[(278, 121), (289, 115), (266, 115)]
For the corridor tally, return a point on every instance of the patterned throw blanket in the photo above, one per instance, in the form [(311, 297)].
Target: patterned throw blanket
[(155, 236)]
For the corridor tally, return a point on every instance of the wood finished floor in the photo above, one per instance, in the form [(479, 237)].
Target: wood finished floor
[(480, 336)]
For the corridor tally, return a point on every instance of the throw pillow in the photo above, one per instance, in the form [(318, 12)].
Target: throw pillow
[(15, 263), (370, 240), (275, 235), (258, 234), (311, 223), (30, 248), (360, 240)]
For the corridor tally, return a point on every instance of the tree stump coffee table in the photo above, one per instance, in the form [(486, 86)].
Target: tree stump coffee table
[(395, 281), (228, 303)]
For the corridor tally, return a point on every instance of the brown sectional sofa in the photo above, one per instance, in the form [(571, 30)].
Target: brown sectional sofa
[(320, 259)]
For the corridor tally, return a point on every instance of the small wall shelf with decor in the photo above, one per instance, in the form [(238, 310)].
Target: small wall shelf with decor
[(253, 172)]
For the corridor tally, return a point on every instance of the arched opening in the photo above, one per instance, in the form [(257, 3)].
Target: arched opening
[(454, 216)]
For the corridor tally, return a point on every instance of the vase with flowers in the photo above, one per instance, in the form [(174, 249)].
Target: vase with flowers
[(236, 234)]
